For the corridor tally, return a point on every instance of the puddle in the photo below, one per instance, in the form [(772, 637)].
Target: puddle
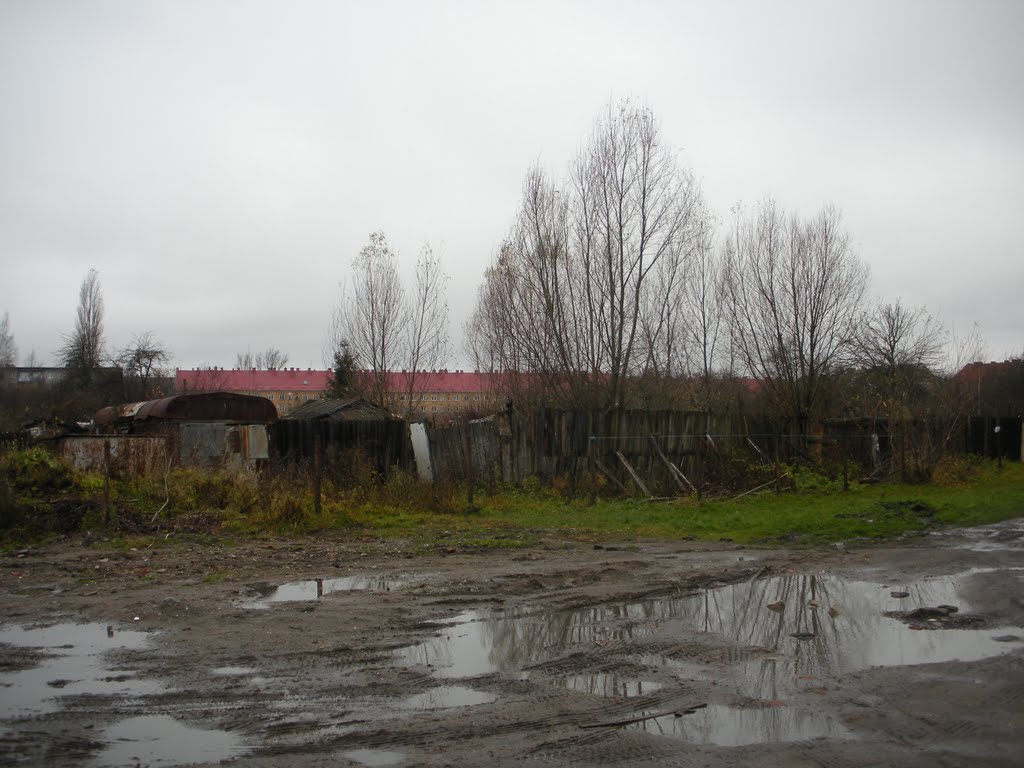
[(447, 697), (607, 684), (1007, 535), (472, 644), (159, 740), (314, 589), (374, 757), (825, 626), (482, 643), (74, 665), (735, 727), (233, 671)]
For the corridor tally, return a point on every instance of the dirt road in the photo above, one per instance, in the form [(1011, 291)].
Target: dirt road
[(316, 653)]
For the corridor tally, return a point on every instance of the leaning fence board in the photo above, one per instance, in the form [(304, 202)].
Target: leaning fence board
[(609, 475), (674, 471), (633, 473)]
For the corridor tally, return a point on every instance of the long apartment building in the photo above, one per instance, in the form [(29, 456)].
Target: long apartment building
[(437, 395)]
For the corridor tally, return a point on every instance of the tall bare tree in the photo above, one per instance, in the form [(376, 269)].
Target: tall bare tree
[(373, 316), (796, 290), (82, 352), (704, 306), (8, 349), (427, 345), (580, 294)]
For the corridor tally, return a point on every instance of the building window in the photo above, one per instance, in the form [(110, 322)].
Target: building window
[(476, 397), (455, 398), (433, 408), (434, 398)]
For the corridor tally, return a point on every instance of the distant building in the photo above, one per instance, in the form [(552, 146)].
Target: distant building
[(31, 377), (437, 395), (285, 388), (443, 395)]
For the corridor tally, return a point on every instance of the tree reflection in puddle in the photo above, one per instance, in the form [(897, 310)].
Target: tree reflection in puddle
[(734, 726), (825, 626), (315, 589)]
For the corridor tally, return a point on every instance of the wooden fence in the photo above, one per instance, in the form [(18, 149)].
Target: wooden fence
[(664, 452)]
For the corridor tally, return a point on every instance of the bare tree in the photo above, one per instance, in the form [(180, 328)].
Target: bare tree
[(899, 351), (427, 342), (373, 317), (140, 362), (581, 293), (8, 349), (704, 305), (383, 328), (796, 290), (272, 359), (901, 348), (82, 351)]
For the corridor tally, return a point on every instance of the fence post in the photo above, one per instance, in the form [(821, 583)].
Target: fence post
[(843, 456), (699, 459), (469, 465), (317, 469), (106, 483), (999, 445), (592, 469), (775, 448)]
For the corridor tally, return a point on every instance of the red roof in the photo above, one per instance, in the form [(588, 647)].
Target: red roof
[(308, 380), (974, 372), (440, 381), (218, 379)]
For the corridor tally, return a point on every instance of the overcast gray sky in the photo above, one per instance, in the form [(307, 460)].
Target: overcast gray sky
[(220, 163)]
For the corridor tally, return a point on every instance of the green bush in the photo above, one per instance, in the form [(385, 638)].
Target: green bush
[(36, 470)]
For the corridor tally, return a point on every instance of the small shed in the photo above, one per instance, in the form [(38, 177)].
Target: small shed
[(355, 409), (339, 427), (201, 428)]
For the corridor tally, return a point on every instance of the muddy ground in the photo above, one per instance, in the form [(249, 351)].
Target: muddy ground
[(657, 653)]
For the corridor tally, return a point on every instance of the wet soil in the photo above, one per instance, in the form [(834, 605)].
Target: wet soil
[(316, 653)]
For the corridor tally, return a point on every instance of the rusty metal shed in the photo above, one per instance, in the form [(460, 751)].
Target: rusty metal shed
[(203, 406), (200, 428)]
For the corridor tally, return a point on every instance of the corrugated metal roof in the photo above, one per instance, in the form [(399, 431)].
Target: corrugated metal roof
[(206, 406), (340, 410)]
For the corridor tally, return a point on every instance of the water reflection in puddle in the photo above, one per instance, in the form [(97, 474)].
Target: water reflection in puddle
[(607, 684), (233, 671), (734, 727), (314, 589), (374, 757), (1007, 535), (465, 648), (73, 666), (822, 626), (158, 740), (447, 697)]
